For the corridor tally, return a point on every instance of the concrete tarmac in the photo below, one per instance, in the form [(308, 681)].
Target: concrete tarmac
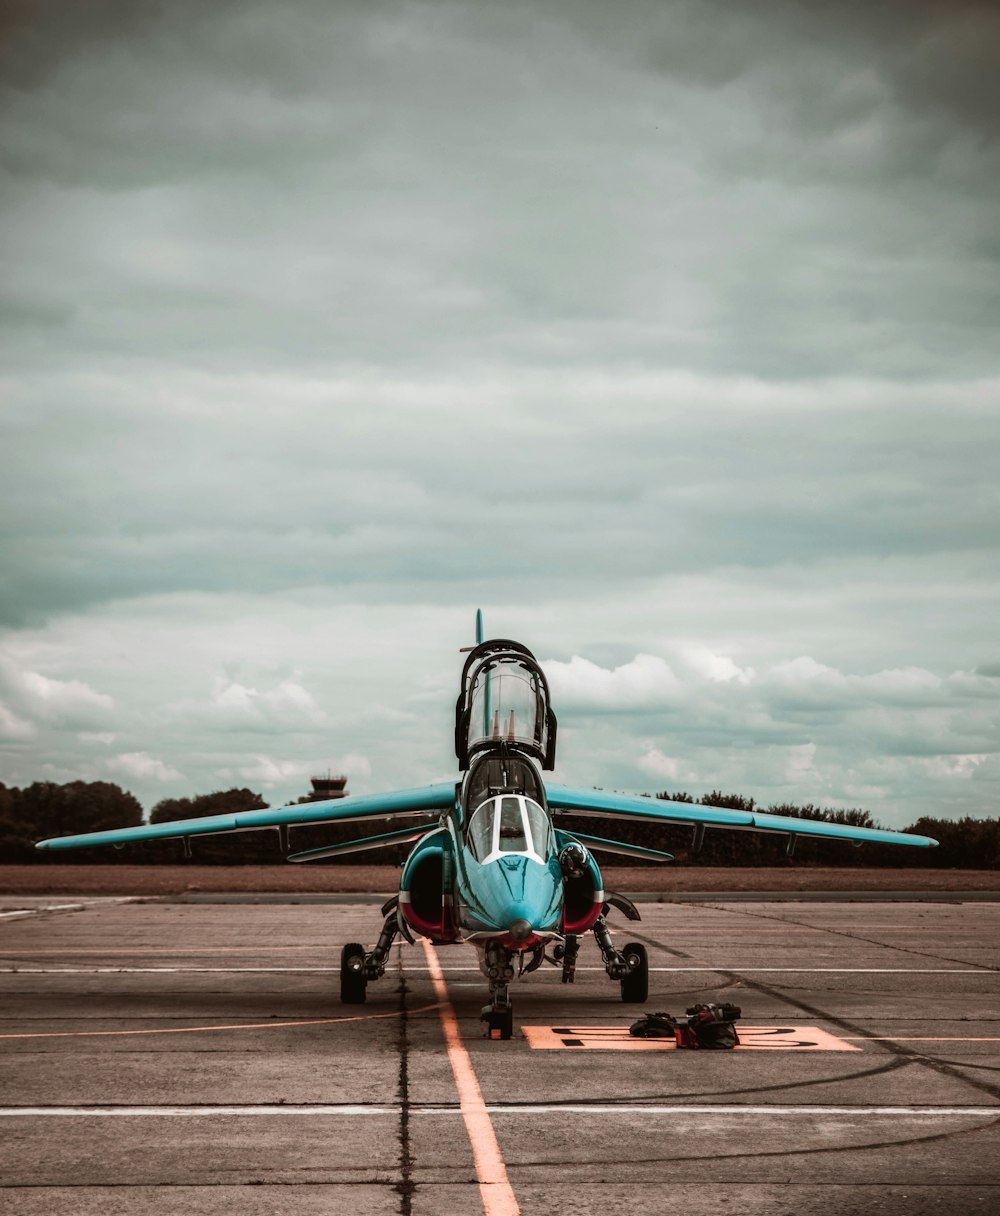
[(168, 1057)]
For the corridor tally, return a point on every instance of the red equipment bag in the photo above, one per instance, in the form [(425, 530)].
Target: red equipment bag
[(707, 1028)]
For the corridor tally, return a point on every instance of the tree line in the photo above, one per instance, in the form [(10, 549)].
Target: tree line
[(48, 809)]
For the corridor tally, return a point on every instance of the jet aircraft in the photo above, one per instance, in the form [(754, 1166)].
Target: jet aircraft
[(493, 863)]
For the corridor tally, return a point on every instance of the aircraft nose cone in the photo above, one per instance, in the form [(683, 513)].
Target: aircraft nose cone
[(520, 930)]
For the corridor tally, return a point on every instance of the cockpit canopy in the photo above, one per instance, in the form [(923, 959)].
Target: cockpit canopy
[(504, 700), (509, 824)]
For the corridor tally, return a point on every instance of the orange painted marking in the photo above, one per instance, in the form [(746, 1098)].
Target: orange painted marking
[(494, 1188), (89, 1034), (617, 1038)]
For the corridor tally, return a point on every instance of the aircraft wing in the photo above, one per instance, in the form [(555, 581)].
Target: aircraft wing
[(563, 799), (426, 802)]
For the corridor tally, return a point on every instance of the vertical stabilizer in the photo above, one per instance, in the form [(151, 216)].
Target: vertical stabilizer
[(480, 638)]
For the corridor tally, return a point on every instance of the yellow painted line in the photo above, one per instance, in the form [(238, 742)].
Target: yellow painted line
[(88, 1034), (494, 1187), (617, 1038)]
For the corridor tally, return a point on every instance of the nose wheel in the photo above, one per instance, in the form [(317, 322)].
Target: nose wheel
[(499, 1020)]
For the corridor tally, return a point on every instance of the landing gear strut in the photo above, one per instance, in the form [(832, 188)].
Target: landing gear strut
[(630, 966), (566, 953), (499, 1013), (357, 968)]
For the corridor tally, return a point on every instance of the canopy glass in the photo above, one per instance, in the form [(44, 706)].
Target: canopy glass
[(509, 824)]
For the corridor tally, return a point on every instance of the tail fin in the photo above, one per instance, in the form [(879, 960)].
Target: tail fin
[(480, 638)]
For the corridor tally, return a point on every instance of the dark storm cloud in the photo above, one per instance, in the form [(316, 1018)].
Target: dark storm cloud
[(709, 185), (658, 320), (402, 487)]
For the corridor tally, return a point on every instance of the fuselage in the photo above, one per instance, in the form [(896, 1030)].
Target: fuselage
[(505, 875)]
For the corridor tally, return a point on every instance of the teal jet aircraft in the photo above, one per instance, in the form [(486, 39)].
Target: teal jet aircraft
[(491, 863)]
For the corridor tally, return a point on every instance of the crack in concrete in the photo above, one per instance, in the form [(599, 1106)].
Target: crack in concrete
[(406, 1186), (900, 1051)]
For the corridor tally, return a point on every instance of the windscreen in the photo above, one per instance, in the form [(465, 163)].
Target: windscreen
[(509, 824)]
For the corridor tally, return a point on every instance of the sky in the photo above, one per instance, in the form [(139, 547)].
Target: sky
[(666, 332)]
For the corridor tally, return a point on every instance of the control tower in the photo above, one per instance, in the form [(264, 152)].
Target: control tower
[(327, 787)]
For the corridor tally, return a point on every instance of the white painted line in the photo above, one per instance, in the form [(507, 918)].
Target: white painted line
[(167, 970), (974, 970), (832, 970), (292, 1110), (74, 907), (187, 1112), (18, 970), (893, 1112), (35, 911)]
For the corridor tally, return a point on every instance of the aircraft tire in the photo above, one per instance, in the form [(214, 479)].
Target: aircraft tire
[(353, 985), (635, 986)]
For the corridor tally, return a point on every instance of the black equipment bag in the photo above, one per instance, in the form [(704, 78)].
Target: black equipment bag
[(654, 1026)]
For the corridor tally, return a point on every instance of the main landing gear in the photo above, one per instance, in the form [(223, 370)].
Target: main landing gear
[(630, 966), (358, 968)]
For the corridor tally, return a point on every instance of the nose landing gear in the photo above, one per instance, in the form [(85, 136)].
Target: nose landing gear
[(499, 1013)]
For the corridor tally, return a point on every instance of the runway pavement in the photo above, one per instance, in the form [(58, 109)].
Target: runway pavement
[(168, 1057)]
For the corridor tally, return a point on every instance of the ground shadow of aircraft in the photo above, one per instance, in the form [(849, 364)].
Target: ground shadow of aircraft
[(491, 865)]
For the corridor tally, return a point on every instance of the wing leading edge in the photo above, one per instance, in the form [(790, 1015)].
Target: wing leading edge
[(567, 800), (427, 801)]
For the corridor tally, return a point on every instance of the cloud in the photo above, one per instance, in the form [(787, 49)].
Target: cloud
[(287, 705), (953, 766), (14, 729), (271, 772), (899, 741), (646, 681), (655, 764), (803, 681), (800, 765), (718, 667), (142, 766), (66, 704), (687, 373)]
